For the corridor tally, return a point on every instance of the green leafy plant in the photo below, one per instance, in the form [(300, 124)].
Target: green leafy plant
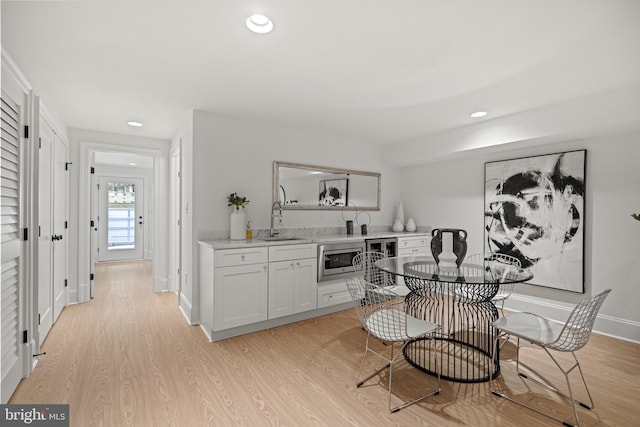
[(636, 216), (236, 201)]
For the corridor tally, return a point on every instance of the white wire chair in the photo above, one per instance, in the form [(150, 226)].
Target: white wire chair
[(365, 264), (387, 320), (504, 289), (549, 335)]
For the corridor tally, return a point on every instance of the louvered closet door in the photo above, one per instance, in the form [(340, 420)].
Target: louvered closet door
[(11, 248)]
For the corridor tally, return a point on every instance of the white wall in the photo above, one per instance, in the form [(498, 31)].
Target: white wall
[(237, 156), (450, 194)]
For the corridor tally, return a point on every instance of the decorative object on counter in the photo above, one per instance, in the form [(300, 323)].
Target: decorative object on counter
[(397, 226), (411, 225), (534, 210), (238, 217), (363, 225), (449, 247), (249, 233), (349, 222), (399, 215)]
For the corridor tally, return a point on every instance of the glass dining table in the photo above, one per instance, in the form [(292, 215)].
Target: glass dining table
[(459, 300)]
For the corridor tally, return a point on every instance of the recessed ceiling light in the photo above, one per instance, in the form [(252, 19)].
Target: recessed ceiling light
[(134, 124), (259, 24), (478, 114)]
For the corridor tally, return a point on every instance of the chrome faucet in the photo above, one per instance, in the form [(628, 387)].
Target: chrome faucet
[(275, 206)]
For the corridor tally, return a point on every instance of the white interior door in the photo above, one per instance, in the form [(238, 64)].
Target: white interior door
[(45, 242), (60, 224), (93, 232), (11, 243), (174, 221), (121, 220)]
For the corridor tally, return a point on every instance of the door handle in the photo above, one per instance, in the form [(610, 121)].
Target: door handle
[(56, 237)]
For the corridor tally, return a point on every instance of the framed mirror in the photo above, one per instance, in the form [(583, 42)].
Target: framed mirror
[(298, 186)]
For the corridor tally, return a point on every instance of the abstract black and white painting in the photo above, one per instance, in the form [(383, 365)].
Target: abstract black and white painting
[(534, 211), (333, 192)]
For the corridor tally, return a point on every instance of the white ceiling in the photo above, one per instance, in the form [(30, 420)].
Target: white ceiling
[(376, 70)]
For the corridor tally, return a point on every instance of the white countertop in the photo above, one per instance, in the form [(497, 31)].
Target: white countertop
[(318, 238)]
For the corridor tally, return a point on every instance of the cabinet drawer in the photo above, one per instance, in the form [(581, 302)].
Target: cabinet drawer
[(332, 294), (245, 256), (422, 251), (413, 242), (289, 252)]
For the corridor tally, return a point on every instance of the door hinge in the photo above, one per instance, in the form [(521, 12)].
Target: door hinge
[(179, 174), (25, 336), (66, 165), (38, 318), (98, 186), (25, 234), (39, 142), (91, 276), (39, 231), (66, 282), (92, 170), (66, 224), (26, 131)]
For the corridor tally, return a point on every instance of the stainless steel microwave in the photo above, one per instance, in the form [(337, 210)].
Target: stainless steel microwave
[(335, 260)]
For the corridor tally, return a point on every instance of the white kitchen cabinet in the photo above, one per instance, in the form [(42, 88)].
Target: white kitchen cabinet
[(240, 295), (292, 279), (414, 245), (333, 292), (233, 287)]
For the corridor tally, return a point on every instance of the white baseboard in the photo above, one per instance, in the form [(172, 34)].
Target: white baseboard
[(72, 296), (84, 293), (186, 309), (160, 284), (623, 329)]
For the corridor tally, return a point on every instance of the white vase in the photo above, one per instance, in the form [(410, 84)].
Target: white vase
[(397, 226), (237, 225), (411, 225), (399, 213)]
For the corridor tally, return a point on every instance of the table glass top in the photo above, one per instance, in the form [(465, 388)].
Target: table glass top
[(426, 268)]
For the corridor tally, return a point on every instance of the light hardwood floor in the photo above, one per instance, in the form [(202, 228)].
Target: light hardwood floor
[(128, 357)]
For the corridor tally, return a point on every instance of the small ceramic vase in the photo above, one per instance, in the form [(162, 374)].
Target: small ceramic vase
[(397, 226), (411, 225)]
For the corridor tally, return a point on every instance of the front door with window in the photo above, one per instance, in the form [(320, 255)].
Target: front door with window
[(121, 219)]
